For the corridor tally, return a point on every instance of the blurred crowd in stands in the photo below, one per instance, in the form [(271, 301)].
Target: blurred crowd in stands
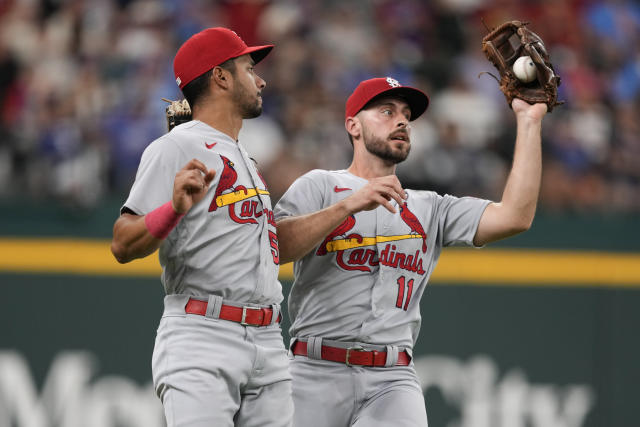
[(81, 83)]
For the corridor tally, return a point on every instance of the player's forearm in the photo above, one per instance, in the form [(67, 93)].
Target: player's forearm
[(514, 214), (131, 239), (298, 235), (523, 185)]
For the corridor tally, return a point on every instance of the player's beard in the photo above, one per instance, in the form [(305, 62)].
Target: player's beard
[(250, 105), (383, 147)]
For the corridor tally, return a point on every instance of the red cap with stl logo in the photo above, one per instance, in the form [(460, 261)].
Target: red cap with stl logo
[(211, 47), (386, 86)]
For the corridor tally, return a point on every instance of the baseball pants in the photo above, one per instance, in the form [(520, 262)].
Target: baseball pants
[(330, 394), (213, 372)]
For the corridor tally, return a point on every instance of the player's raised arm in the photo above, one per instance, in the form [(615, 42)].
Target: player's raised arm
[(136, 236), (297, 235), (514, 214)]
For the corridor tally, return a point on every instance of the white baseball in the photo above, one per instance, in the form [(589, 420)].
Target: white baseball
[(524, 69)]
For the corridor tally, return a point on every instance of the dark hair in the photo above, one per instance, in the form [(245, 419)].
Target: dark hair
[(229, 65), (198, 87)]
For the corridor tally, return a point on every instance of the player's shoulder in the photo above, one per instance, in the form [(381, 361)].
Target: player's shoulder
[(317, 174), (179, 139), (195, 136), (163, 145), (444, 202), (425, 197), (432, 196), (326, 178), (185, 132), (423, 194), (331, 175), (309, 180)]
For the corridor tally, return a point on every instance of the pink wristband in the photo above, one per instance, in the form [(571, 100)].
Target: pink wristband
[(162, 220)]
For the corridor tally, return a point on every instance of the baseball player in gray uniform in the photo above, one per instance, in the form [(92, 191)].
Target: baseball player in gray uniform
[(219, 358), (364, 249)]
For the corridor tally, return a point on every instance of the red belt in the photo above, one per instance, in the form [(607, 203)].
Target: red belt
[(248, 316), (352, 355)]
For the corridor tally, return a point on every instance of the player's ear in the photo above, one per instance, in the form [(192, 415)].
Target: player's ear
[(221, 77), (353, 126)]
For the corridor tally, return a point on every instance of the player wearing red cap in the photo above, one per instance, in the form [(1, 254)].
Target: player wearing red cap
[(364, 249), (219, 358)]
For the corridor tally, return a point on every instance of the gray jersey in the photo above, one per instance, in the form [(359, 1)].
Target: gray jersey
[(365, 281), (226, 244)]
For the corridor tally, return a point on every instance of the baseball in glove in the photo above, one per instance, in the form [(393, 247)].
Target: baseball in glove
[(177, 112), (510, 41)]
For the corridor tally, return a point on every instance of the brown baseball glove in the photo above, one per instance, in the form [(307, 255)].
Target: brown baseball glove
[(177, 112), (504, 45)]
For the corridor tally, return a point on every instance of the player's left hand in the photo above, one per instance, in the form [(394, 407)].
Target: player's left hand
[(532, 111)]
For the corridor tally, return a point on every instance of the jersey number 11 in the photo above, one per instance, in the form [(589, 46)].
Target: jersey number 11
[(401, 299)]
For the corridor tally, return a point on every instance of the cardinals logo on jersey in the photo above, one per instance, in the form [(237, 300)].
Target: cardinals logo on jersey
[(368, 256), (229, 194), (357, 253), (340, 230), (412, 221), (228, 177), (262, 179), (246, 199)]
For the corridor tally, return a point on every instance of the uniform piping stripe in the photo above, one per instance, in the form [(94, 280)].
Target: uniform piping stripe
[(456, 265)]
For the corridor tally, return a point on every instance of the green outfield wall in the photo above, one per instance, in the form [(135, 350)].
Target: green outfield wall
[(75, 350)]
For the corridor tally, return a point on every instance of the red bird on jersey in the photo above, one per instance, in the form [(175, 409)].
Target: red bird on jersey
[(228, 177), (346, 225), (262, 179), (410, 219)]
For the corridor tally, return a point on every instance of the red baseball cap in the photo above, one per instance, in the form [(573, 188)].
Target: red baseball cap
[(386, 86), (211, 47)]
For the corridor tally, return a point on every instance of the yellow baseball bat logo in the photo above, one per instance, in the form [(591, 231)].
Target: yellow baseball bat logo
[(238, 196), (344, 244)]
